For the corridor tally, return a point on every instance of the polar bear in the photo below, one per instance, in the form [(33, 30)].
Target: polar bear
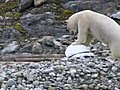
[(90, 24)]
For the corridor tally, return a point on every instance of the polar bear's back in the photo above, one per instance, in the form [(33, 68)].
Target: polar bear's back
[(100, 19)]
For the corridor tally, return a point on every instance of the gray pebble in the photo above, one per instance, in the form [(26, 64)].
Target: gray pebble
[(91, 64), (1, 80), (114, 68), (111, 74), (2, 89), (73, 71), (20, 87), (104, 87), (13, 88), (10, 83), (67, 87), (38, 89), (51, 88), (94, 75), (91, 86), (52, 74), (35, 83), (34, 65), (84, 87)]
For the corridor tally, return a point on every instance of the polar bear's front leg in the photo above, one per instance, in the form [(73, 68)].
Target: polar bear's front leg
[(88, 39), (82, 34)]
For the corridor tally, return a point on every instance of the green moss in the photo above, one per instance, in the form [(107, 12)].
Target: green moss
[(67, 12), (64, 13), (17, 15), (5, 7), (19, 27), (58, 8), (8, 14), (1, 26), (57, 1)]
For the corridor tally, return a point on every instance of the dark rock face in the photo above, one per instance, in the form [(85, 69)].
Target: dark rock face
[(10, 48), (10, 34), (25, 4), (102, 6), (45, 45), (42, 25), (2, 1), (116, 16)]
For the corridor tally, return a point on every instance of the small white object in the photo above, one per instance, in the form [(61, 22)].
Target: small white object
[(78, 51), (39, 2), (104, 44), (89, 54), (7, 1), (10, 47)]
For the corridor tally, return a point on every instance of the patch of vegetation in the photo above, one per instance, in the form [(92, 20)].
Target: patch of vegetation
[(15, 15), (58, 8), (64, 13), (57, 1), (6, 7), (19, 27)]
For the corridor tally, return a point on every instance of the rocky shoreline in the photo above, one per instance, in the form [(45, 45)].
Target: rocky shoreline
[(64, 74)]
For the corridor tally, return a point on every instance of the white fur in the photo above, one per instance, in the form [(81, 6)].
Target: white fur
[(91, 24)]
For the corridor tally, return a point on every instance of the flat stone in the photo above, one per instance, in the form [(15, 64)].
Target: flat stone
[(84, 87), (20, 87), (39, 2), (13, 88), (10, 83), (114, 68), (38, 89), (1, 80), (94, 75), (67, 87)]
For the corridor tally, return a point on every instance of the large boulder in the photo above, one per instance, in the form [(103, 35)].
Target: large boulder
[(45, 45), (116, 16), (103, 6), (39, 2), (10, 48), (10, 34), (40, 25), (25, 4)]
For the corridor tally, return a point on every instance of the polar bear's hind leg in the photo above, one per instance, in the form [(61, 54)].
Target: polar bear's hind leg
[(115, 51), (88, 39)]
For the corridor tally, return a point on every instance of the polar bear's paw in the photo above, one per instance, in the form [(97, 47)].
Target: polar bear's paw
[(76, 43)]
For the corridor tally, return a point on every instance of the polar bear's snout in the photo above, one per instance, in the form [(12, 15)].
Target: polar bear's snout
[(67, 29), (72, 32), (71, 29)]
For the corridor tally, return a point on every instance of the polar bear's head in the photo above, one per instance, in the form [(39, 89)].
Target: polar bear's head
[(72, 24)]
